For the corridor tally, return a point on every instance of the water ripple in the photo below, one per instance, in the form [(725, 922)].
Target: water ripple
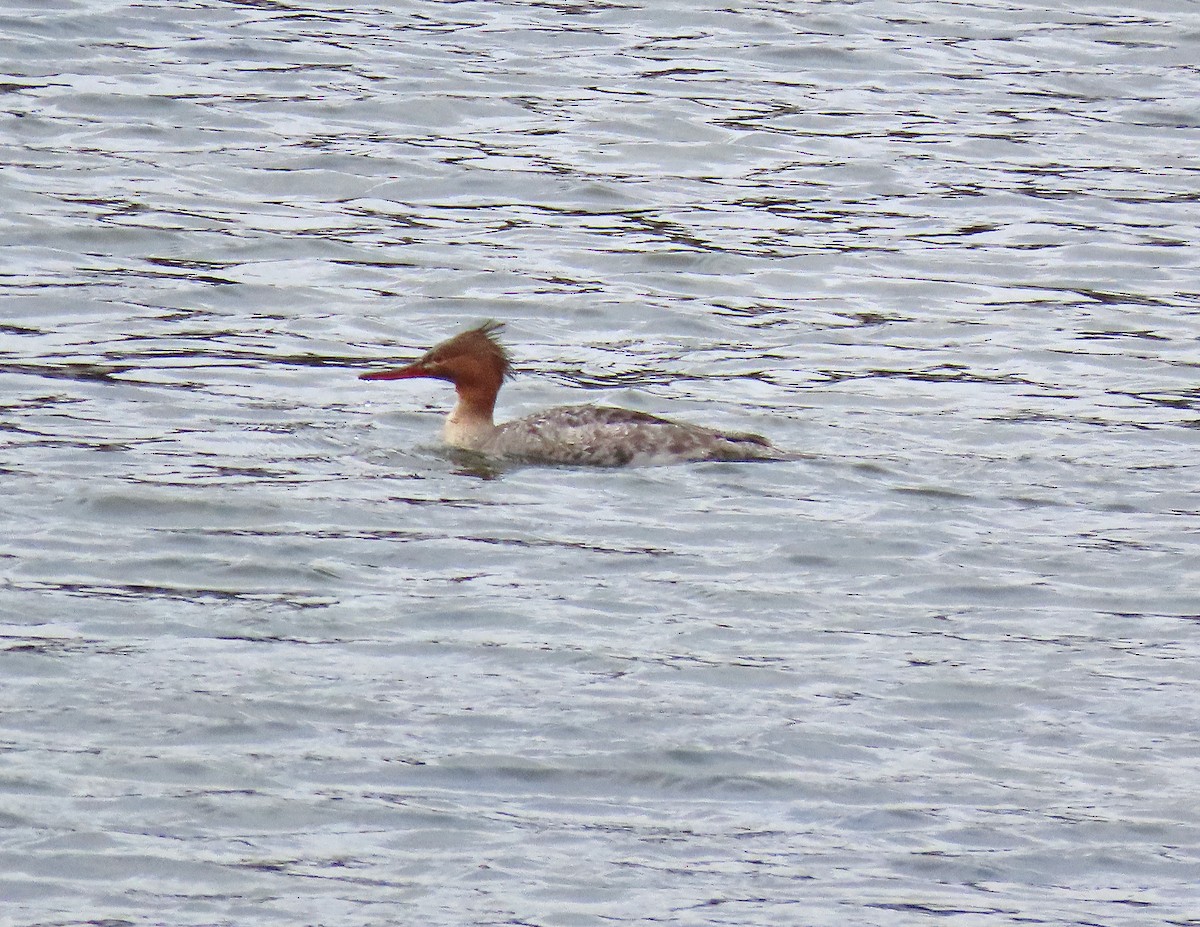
[(271, 655)]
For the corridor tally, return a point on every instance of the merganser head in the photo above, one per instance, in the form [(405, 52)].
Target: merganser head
[(474, 361)]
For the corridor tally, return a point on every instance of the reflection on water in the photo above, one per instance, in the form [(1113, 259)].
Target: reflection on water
[(272, 655)]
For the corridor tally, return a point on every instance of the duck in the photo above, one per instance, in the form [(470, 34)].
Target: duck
[(478, 364)]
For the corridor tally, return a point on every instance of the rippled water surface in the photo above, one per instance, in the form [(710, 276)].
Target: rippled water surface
[(268, 655)]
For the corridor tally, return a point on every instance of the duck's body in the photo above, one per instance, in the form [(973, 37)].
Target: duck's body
[(605, 437), (477, 364)]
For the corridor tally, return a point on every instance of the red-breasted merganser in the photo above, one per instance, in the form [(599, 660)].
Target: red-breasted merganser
[(477, 364)]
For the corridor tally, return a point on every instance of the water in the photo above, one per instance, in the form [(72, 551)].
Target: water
[(269, 656)]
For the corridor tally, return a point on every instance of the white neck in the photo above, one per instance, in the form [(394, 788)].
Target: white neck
[(467, 428)]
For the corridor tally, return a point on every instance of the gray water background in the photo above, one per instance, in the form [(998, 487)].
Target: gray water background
[(269, 657)]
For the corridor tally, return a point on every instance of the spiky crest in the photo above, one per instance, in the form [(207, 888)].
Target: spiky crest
[(479, 342)]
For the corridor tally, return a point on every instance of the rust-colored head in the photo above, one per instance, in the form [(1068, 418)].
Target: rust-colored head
[(474, 361)]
